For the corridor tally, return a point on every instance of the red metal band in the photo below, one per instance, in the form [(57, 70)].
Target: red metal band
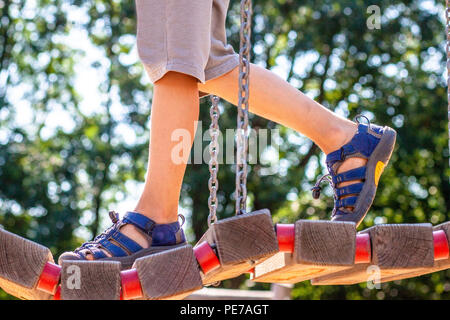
[(49, 278), (363, 252), (441, 250), (286, 237), (206, 257), (131, 285)]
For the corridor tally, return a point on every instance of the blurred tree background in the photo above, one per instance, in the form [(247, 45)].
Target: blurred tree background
[(75, 106)]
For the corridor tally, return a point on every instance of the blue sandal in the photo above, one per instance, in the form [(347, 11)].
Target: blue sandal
[(370, 142), (160, 237)]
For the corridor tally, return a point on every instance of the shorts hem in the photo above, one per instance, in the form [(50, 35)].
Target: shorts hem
[(223, 68), (159, 71)]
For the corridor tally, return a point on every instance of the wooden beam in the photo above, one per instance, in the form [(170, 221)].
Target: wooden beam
[(320, 247), (22, 264), (90, 280), (240, 242), (441, 239), (170, 274), (397, 249)]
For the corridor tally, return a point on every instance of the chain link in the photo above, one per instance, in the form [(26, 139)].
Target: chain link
[(242, 116), (213, 182), (447, 30)]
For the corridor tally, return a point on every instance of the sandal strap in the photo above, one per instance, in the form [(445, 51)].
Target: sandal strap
[(350, 175), (350, 189), (127, 243), (140, 221), (355, 148), (346, 202), (118, 244), (340, 154), (113, 249), (95, 251)]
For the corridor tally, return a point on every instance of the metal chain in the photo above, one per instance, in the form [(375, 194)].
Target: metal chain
[(447, 30), (213, 182), (242, 116)]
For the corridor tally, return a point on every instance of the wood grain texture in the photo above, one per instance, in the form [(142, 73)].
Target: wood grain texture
[(249, 236), (23, 292), (321, 247), (396, 249), (282, 268), (227, 272), (402, 245), (325, 242), (171, 274), (21, 264), (357, 274), (241, 242), (98, 280), (438, 265)]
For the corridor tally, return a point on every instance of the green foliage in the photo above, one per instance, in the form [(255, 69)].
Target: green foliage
[(58, 184)]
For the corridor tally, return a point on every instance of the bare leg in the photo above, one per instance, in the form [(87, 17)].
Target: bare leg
[(175, 106), (273, 98)]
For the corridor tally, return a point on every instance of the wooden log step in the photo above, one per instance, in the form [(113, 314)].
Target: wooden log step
[(90, 280), (233, 246), (27, 270), (171, 274), (397, 249), (311, 248), (441, 237)]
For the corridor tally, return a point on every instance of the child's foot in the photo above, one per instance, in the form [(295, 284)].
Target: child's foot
[(126, 240), (355, 169)]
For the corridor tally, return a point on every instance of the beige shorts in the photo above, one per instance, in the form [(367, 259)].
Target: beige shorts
[(186, 36)]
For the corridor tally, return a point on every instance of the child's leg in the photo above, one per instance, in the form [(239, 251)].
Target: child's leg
[(356, 154), (173, 40), (175, 107), (273, 98)]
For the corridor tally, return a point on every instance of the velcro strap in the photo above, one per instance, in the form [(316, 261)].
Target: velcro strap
[(126, 242), (340, 154), (115, 251), (140, 221), (96, 252), (354, 174), (350, 189), (334, 156), (346, 202), (362, 128), (347, 150)]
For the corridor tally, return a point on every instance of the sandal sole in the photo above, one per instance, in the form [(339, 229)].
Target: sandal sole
[(127, 261)]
